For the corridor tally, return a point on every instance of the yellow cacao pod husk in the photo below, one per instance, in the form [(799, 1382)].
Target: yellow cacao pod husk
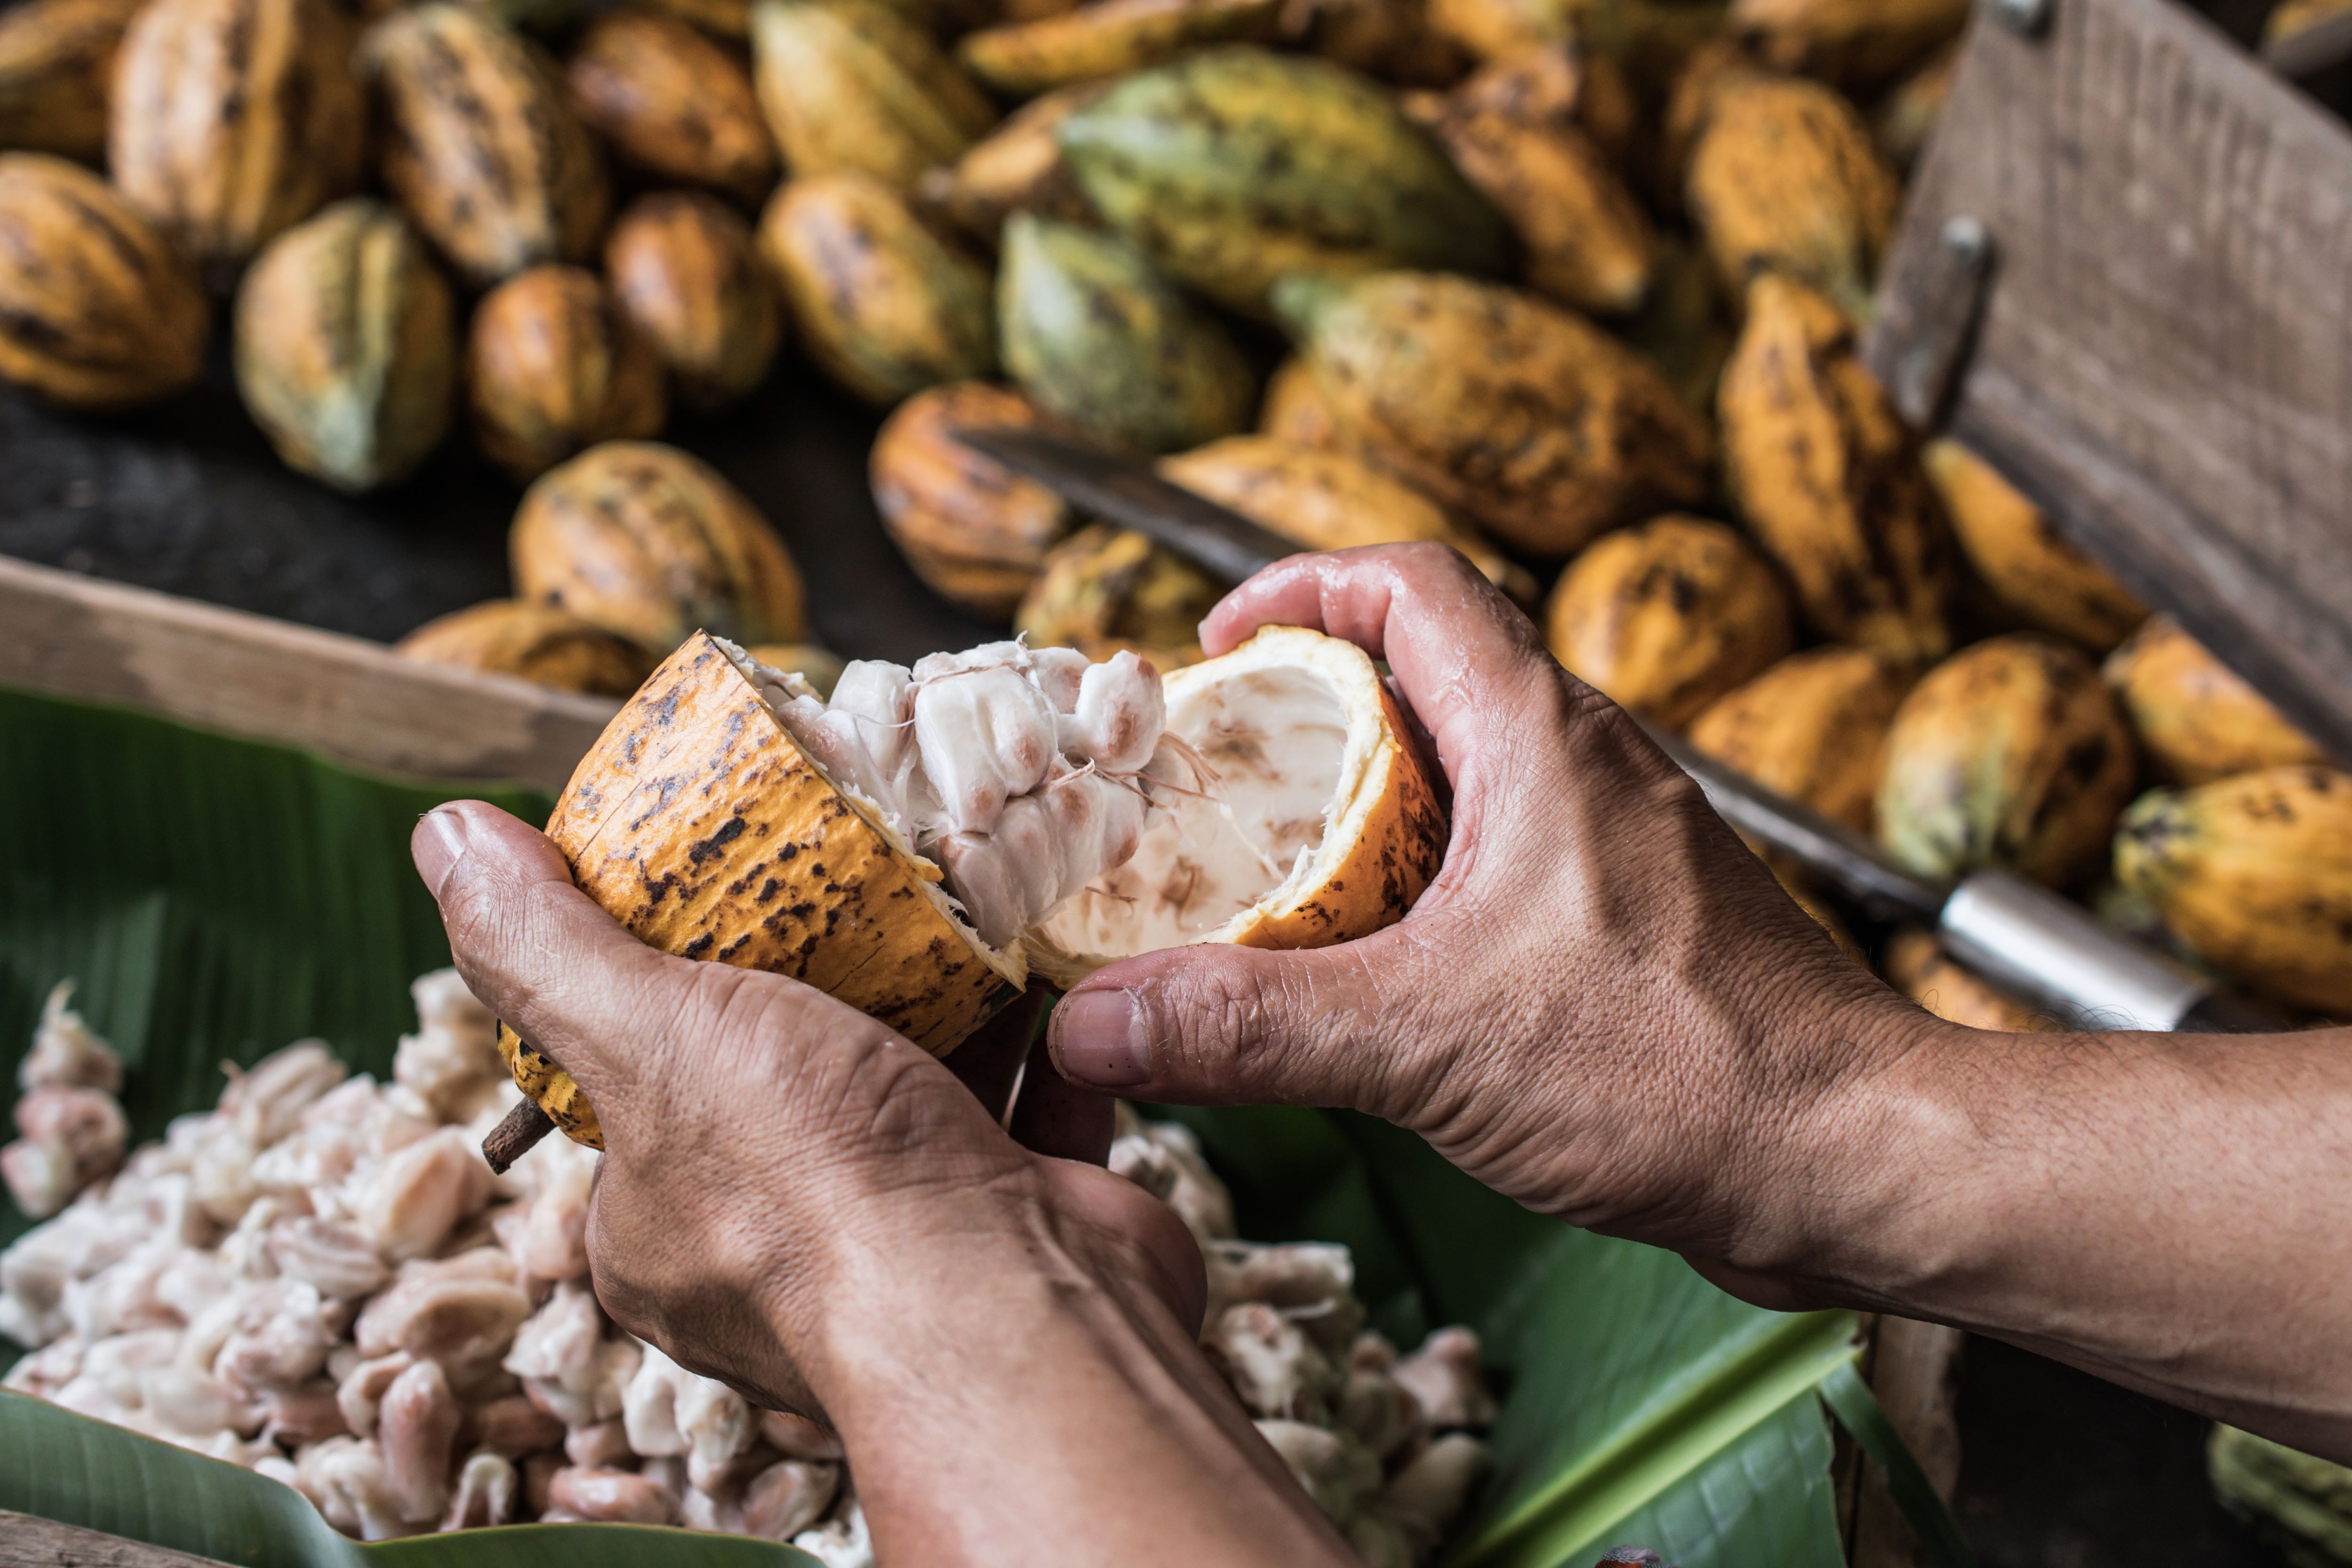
[(97, 310), (1583, 239), (56, 71), (1917, 967), (1017, 167), (2032, 570), (2254, 873), (973, 530), (538, 643), (687, 275), (1828, 478), (553, 367), (1857, 44), (720, 18), (1104, 589), (2010, 752), (853, 86), (1107, 38), (671, 102), (347, 346), (234, 120), (2195, 718), (884, 306), (1530, 422), (1390, 40), (483, 148), (1293, 409), (1811, 728), (650, 544), (1666, 616)]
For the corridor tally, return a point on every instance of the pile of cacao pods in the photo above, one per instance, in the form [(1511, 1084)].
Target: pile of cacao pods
[(1572, 284)]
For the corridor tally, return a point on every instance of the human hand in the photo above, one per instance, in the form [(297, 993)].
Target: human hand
[(1603, 1006), (774, 1158)]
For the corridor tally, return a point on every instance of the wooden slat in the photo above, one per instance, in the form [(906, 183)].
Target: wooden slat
[(29, 1542), (2165, 357), (354, 701)]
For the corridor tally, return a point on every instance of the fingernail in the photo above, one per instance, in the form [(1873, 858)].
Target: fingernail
[(437, 845), (1099, 1039)]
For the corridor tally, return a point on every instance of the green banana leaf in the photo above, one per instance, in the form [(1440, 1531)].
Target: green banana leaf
[(216, 897)]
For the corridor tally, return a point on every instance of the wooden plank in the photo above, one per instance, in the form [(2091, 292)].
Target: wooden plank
[(26, 1541), (2164, 360), (348, 699)]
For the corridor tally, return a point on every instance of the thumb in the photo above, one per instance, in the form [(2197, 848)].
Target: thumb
[(1211, 1024)]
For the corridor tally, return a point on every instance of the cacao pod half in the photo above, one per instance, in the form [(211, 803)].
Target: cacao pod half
[(972, 529), (2254, 873), (2010, 752), (1828, 478), (538, 643), (1104, 589), (852, 85), (483, 149), (57, 70), (688, 277), (1107, 38), (885, 307), (671, 102), (650, 544), (1666, 616), (234, 120), (2034, 572), (552, 366), (1530, 421), (97, 309), (2195, 718), (347, 346), (1812, 728), (1097, 337), (1233, 167)]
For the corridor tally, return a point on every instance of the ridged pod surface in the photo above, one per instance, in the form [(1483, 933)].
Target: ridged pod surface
[(1918, 968), (1107, 38), (1233, 167), (234, 120), (1811, 728), (1665, 616), (347, 346), (1017, 167), (1530, 421), (852, 85), (1097, 337), (57, 69), (2196, 719), (1828, 478), (553, 367), (480, 145), (2010, 752), (652, 545), (1327, 500), (884, 305), (2033, 570), (1784, 177), (1583, 239), (671, 102), (538, 643), (1858, 44), (972, 529), (1104, 589), (97, 310), (689, 276), (2254, 873)]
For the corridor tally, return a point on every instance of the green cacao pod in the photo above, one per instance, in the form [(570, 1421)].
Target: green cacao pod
[(884, 306), (234, 120), (347, 347), (689, 276), (1527, 420), (2010, 752), (1097, 337), (57, 68), (484, 151), (97, 310), (852, 85), (553, 367), (1233, 167)]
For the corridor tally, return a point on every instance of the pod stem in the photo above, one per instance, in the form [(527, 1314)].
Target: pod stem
[(513, 1138)]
